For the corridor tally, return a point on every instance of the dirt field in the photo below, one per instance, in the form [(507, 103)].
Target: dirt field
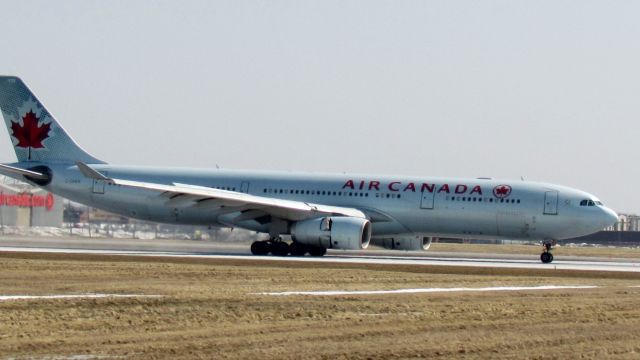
[(209, 309)]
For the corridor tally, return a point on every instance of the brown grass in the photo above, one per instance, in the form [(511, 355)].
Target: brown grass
[(209, 310)]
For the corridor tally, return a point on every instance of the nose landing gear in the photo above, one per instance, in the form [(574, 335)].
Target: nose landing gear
[(547, 257)]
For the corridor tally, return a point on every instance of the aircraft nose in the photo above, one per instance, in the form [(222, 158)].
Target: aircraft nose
[(609, 217)]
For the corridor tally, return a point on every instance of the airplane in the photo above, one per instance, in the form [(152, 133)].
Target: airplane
[(315, 211)]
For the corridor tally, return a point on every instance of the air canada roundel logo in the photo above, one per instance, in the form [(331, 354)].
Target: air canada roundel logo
[(502, 191)]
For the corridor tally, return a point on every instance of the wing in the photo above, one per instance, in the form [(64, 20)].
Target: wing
[(249, 206)]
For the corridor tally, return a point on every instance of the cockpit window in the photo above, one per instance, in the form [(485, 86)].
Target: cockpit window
[(599, 203), (589, 203), (584, 202)]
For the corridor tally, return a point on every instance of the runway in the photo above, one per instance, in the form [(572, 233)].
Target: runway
[(236, 251)]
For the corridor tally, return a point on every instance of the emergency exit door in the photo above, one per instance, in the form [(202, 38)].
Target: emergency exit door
[(427, 200), (98, 185), (551, 203)]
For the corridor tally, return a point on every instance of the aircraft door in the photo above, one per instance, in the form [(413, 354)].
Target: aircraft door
[(98, 185), (551, 203), (427, 200), (244, 187)]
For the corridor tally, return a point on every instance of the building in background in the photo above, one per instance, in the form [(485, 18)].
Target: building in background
[(24, 205), (626, 222)]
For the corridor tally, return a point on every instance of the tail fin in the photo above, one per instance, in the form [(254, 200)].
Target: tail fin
[(35, 133)]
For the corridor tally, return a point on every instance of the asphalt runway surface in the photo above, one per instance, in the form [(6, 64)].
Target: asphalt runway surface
[(240, 251)]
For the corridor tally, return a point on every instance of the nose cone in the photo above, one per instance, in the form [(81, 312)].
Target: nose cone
[(609, 217)]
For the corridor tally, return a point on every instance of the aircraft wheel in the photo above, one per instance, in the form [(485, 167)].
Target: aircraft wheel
[(260, 248), (317, 251), (546, 257), (297, 249), (280, 248)]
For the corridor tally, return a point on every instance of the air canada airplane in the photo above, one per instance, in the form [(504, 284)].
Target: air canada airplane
[(319, 212)]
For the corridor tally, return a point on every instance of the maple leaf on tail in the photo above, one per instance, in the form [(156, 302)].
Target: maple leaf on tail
[(30, 135)]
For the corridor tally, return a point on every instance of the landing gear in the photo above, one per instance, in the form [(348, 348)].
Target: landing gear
[(317, 251), (297, 249), (547, 257), (260, 248), (278, 247)]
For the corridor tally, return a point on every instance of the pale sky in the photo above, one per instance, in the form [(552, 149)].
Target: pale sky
[(548, 90)]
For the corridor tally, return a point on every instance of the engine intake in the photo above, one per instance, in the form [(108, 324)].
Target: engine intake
[(347, 233), (404, 242)]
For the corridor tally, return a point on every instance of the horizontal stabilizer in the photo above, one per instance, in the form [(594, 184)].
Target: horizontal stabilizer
[(90, 173), (19, 171)]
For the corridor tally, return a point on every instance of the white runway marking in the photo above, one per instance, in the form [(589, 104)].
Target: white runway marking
[(76, 296), (427, 290)]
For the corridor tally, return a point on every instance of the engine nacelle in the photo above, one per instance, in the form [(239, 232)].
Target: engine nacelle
[(404, 242), (347, 233)]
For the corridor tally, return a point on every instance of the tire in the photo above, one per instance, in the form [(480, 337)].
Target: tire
[(260, 248), (280, 248), (317, 251), (546, 257), (297, 249)]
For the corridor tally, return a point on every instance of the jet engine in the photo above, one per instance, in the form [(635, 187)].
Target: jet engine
[(404, 242), (348, 233)]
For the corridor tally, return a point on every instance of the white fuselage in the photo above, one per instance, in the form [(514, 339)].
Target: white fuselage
[(442, 207)]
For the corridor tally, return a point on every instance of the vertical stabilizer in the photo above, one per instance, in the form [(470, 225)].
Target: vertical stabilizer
[(35, 133)]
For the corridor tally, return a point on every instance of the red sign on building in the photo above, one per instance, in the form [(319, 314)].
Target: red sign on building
[(27, 200)]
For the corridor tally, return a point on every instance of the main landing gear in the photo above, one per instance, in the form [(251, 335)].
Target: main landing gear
[(277, 247), (547, 257)]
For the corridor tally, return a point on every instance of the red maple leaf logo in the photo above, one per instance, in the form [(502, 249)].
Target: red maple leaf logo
[(30, 135), (502, 191)]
